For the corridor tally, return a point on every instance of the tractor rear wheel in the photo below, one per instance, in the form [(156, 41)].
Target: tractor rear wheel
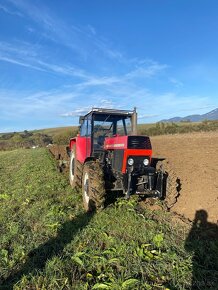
[(75, 170), (171, 184), (93, 186)]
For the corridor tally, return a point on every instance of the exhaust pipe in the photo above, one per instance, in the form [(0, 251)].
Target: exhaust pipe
[(134, 122)]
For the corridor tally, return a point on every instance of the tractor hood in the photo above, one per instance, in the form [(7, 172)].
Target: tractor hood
[(127, 142)]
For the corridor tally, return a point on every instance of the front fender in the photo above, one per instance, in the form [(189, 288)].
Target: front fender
[(72, 142)]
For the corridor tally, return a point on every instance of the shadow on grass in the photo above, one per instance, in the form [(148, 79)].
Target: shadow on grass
[(202, 241), (38, 257)]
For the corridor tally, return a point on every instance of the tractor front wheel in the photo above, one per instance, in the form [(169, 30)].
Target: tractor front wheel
[(171, 184), (93, 186), (75, 170)]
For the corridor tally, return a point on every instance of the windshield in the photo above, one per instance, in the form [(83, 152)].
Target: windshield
[(108, 126)]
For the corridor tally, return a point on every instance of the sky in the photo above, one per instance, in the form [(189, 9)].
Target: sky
[(58, 59)]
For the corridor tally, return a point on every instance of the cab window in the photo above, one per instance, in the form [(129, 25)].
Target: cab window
[(83, 128)]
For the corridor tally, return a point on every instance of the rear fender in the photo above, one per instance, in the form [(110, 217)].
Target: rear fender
[(90, 159)]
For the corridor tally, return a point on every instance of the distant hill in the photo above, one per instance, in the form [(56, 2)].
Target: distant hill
[(212, 115), (37, 138)]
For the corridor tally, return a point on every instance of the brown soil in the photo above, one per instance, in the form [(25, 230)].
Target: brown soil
[(60, 154), (194, 159), (59, 151)]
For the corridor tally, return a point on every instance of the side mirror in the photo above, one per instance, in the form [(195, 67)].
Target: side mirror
[(81, 119)]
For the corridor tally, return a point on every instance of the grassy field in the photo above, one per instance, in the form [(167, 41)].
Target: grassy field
[(49, 242), (56, 131)]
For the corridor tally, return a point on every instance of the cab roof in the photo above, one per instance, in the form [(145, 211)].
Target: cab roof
[(104, 111)]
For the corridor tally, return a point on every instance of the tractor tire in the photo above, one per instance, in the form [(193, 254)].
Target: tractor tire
[(93, 186), (171, 184), (75, 170)]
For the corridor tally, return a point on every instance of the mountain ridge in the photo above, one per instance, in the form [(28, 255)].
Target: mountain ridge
[(210, 116)]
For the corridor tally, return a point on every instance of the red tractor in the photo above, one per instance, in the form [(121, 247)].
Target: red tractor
[(108, 156)]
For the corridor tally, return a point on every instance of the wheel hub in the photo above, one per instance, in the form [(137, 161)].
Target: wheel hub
[(86, 188)]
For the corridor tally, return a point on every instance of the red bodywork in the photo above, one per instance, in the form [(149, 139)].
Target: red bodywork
[(120, 143), (83, 148)]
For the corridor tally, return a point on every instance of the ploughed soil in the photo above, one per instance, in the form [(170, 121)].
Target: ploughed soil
[(59, 152), (194, 159)]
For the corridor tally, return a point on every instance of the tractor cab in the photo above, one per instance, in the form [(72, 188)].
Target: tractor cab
[(100, 124)]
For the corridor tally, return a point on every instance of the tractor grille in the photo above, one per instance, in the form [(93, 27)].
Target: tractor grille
[(139, 142)]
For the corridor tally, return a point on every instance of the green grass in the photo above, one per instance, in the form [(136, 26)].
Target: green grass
[(56, 131), (49, 242)]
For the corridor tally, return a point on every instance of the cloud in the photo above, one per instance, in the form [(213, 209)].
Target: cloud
[(147, 116), (176, 82), (171, 103), (82, 40), (107, 104), (18, 62), (39, 105), (77, 112), (91, 29), (33, 57), (147, 70), (9, 11), (5, 130), (26, 55), (104, 103), (93, 81)]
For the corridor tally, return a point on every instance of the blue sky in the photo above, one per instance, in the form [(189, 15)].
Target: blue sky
[(60, 58)]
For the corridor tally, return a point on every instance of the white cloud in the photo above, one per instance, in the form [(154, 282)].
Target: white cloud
[(77, 112), (107, 104), (82, 40), (93, 81), (104, 103), (39, 105), (26, 55), (147, 116), (176, 82), (146, 70), (91, 29), (19, 62), (9, 11)]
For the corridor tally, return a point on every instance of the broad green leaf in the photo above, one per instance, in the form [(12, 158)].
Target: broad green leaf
[(129, 283), (89, 276), (102, 286), (4, 196), (79, 254), (77, 260), (113, 261), (158, 239)]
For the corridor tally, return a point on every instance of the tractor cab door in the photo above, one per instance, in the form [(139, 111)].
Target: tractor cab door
[(83, 146), (102, 128)]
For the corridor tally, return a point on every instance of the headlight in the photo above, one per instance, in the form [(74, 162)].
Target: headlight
[(146, 162), (130, 161)]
